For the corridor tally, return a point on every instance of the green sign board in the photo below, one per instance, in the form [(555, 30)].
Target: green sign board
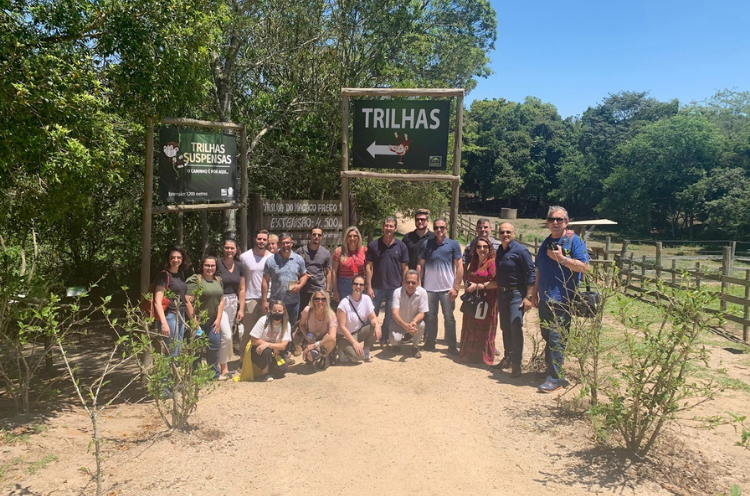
[(401, 134), (196, 167)]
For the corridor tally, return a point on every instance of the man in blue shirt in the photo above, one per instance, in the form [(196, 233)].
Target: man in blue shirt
[(285, 273), (559, 263), (442, 271), (515, 275), (387, 259)]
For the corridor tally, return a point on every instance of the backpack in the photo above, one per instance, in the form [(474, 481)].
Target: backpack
[(147, 305)]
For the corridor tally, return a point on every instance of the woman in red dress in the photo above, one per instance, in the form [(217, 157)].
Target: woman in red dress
[(478, 335)]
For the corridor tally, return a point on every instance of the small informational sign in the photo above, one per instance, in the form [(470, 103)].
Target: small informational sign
[(297, 217), (197, 167), (401, 134)]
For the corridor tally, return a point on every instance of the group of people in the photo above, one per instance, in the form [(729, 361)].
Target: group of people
[(271, 288)]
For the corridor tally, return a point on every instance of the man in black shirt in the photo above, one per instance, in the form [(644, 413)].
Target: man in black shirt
[(415, 239), (515, 279)]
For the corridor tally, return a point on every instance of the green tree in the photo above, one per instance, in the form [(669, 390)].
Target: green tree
[(654, 166), (602, 129)]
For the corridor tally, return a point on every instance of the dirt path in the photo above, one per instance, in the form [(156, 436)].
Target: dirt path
[(390, 426)]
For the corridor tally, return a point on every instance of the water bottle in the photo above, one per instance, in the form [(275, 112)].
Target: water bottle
[(310, 338)]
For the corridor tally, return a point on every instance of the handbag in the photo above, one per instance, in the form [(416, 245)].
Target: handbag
[(586, 303), (475, 305)]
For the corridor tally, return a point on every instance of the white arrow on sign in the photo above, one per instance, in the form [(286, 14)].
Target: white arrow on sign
[(374, 149)]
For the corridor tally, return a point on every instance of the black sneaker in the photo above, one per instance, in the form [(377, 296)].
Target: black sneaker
[(515, 370), (416, 353), (452, 351), (429, 347)]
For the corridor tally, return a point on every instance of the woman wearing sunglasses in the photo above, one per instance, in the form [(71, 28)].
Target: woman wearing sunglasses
[(317, 326), (358, 325)]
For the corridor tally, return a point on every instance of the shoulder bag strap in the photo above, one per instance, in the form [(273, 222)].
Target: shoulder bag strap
[(351, 303)]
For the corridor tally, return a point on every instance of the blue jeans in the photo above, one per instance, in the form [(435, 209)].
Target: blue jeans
[(214, 342), (292, 310), (431, 318), (555, 323), (176, 332), (344, 285), (386, 294), (511, 324)]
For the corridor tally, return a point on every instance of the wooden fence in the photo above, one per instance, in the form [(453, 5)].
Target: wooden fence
[(639, 274)]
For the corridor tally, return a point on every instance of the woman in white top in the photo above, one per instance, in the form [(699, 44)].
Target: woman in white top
[(317, 324), (358, 325), (269, 338)]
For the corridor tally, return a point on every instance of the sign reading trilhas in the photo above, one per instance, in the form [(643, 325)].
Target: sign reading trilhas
[(401, 134), (196, 166)]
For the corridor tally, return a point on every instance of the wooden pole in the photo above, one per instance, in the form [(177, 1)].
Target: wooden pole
[(697, 274), (348, 174), (674, 272), (204, 232), (658, 259), (457, 163), (725, 271), (243, 187), (180, 225), (746, 312), (148, 196), (344, 159), (607, 246)]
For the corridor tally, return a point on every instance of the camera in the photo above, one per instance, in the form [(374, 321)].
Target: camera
[(553, 245)]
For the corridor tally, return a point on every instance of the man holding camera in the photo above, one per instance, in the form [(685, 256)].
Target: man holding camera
[(561, 259)]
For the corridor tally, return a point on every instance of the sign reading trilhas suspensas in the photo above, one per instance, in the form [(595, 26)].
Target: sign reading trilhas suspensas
[(401, 134), (196, 167)]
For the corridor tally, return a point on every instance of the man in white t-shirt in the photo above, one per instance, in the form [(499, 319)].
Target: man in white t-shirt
[(253, 261), (409, 308)]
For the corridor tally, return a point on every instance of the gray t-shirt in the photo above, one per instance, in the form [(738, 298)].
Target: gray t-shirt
[(282, 271), (317, 263)]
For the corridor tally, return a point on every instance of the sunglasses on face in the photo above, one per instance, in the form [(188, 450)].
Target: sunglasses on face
[(358, 284), (440, 228), (555, 219), (319, 299), (316, 235), (411, 283), (483, 247), (505, 232), (422, 220)]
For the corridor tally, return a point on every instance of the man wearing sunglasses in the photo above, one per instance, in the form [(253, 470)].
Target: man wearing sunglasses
[(484, 230), (318, 262), (442, 271), (561, 260), (410, 306), (515, 276), (416, 239)]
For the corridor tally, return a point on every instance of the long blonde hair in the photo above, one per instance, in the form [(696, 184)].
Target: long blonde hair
[(345, 244)]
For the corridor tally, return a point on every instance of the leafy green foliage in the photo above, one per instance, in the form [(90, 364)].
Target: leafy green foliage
[(648, 380)]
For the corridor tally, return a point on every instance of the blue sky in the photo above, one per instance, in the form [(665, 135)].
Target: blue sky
[(574, 53)]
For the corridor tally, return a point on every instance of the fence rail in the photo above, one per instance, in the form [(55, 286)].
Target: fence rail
[(640, 274)]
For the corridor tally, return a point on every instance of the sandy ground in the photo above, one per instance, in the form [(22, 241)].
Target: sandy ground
[(395, 425)]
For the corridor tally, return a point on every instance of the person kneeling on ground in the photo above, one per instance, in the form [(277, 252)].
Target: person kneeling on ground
[(317, 327), (409, 308), (355, 334), (269, 338)]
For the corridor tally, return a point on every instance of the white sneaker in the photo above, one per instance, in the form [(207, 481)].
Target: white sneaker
[(268, 378)]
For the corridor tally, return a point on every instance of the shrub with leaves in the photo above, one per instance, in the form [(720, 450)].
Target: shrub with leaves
[(648, 379)]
